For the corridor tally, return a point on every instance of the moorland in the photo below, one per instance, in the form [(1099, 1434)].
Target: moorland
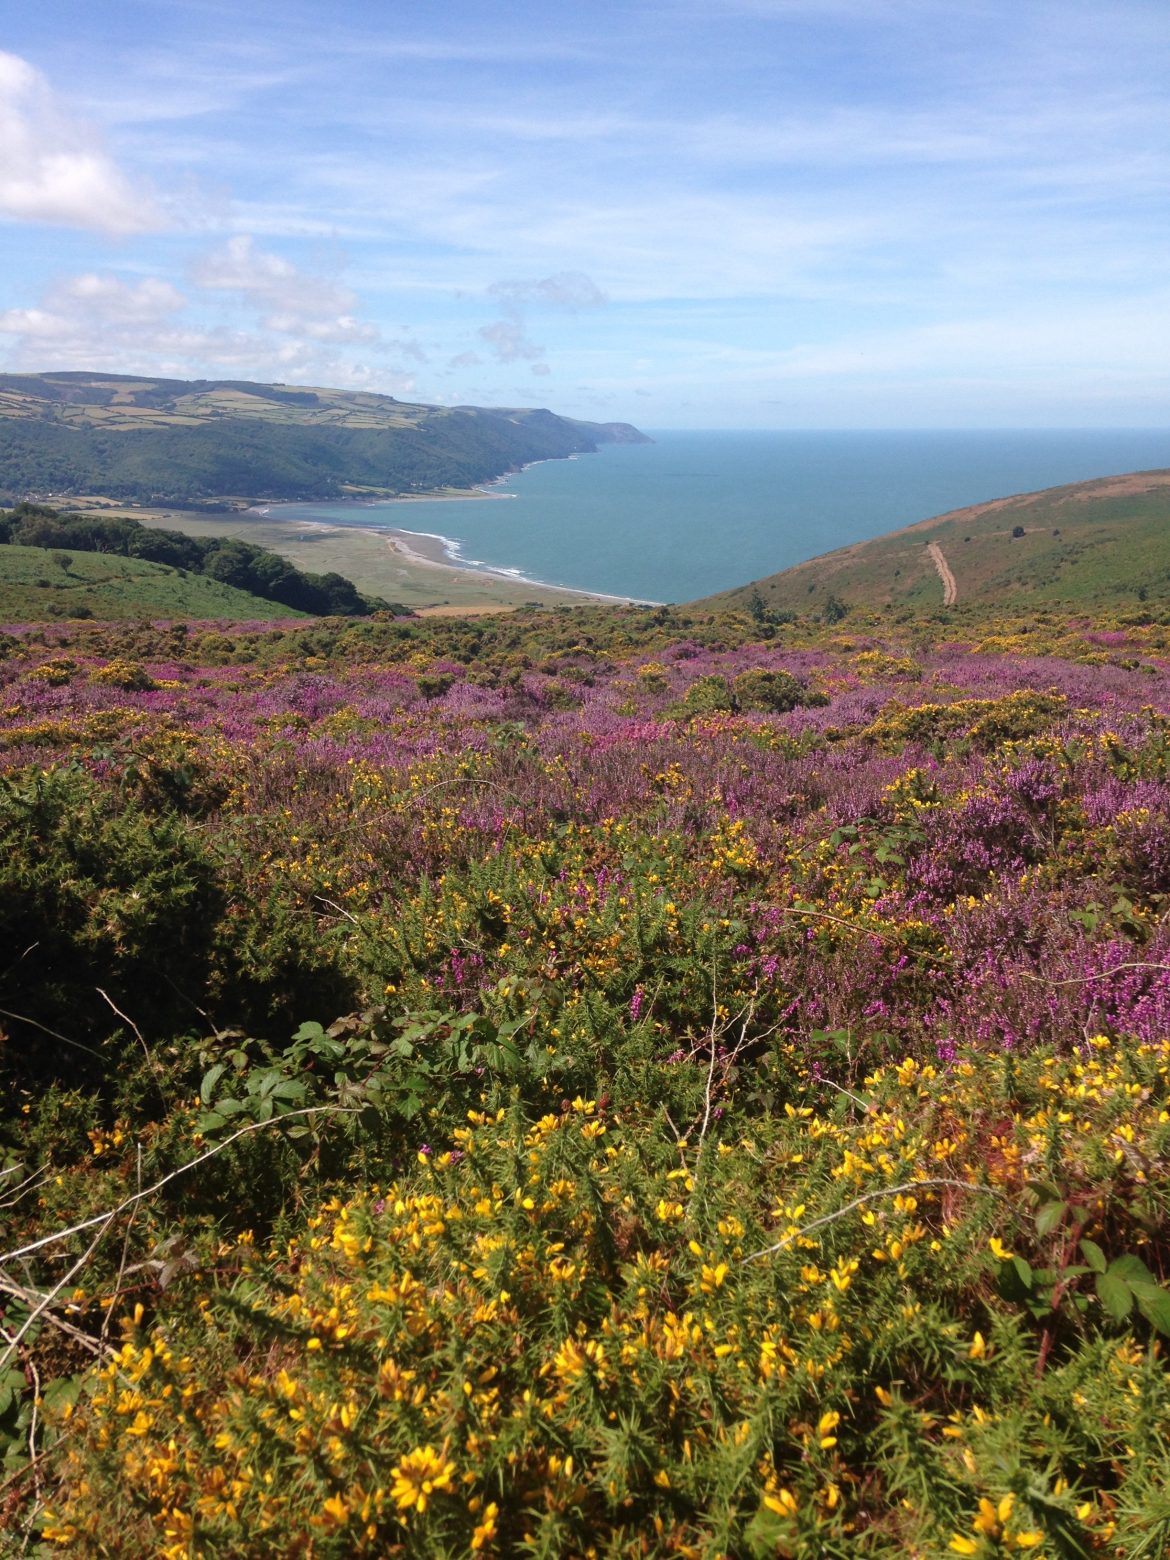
[(587, 1082)]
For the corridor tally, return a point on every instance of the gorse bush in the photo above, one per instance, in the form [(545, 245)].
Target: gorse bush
[(585, 1084), (811, 1335)]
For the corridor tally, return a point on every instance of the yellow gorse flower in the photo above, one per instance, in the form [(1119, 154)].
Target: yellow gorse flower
[(711, 1278), (991, 1523), (420, 1475), (485, 1530)]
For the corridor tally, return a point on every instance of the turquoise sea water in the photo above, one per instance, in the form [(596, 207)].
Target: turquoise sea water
[(698, 512)]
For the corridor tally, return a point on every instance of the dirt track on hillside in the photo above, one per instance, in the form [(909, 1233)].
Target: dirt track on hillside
[(950, 589)]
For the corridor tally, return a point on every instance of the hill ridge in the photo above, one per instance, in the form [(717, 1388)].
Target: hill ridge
[(1093, 542), (225, 443)]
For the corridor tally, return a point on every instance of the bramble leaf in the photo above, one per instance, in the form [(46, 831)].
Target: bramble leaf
[(1049, 1216), (1115, 1296), (1156, 1310), (1093, 1255)]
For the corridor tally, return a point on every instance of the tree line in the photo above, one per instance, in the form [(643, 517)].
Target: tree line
[(240, 564)]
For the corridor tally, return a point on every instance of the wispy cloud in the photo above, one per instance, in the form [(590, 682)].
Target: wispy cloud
[(830, 199), (566, 290), (571, 291), (296, 302)]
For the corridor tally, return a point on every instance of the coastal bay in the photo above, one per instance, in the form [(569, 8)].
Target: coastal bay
[(407, 567), (701, 511), (676, 520)]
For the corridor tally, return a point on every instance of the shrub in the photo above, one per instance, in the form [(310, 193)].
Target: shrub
[(705, 696), (130, 676), (774, 691)]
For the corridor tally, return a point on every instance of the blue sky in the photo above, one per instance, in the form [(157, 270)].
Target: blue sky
[(688, 213)]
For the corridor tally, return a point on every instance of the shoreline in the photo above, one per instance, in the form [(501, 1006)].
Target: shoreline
[(408, 568), (424, 571), (442, 554), (433, 549), (264, 507)]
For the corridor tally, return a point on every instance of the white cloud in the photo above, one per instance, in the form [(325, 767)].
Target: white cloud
[(341, 328), (151, 299), (508, 342), (299, 303), (267, 279), (53, 168), (85, 312), (102, 322)]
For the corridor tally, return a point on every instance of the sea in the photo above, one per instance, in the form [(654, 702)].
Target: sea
[(698, 512)]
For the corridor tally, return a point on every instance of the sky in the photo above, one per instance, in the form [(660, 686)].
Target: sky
[(679, 213)]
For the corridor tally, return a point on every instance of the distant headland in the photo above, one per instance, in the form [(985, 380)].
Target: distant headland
[(224, 445)]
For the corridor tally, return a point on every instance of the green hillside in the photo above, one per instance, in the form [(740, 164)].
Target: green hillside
[(1090, 544), (224, 442), (37, 583)]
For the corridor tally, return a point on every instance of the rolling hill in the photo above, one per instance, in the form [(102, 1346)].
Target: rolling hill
[(224, 443), (38, 584), (1088, 544)]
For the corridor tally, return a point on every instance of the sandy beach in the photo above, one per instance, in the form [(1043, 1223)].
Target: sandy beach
[(419, 553)]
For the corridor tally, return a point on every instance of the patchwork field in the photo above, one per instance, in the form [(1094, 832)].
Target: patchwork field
[(220, 444)]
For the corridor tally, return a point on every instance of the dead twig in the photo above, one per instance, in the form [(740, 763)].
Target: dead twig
[(848, 1093), (838, 920), (150, 1060), (21, 1018), (125, 1253), (34, 1459), (858, 1202), (713, 1037), (13, 1194), (30, 1296), (149, 1191), (1086, 980), (47, 1300)]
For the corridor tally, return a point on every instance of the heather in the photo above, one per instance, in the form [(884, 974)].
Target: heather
[(590, 1082)]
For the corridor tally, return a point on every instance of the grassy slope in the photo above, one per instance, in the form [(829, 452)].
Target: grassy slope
[(1089, 544), (34, 588)]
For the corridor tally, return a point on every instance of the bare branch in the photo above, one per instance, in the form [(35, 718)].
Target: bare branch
[(21, 1018), (839, 920), (13, 1194), (1086, 980), (32, 1296), (47, 1300), (848, 1093), (881, 1191), (149, 1191)]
